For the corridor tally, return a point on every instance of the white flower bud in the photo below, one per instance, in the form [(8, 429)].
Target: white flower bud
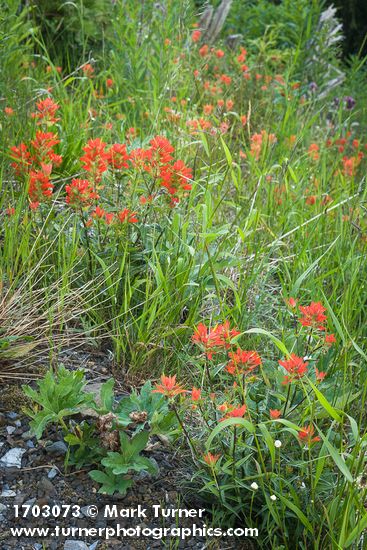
[(254, 486)]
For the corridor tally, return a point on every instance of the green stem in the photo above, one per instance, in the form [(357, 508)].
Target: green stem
[(189, 440)]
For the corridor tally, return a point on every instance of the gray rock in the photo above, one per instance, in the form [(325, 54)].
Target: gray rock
[(58, 448), (94, 545), (30, 444), (10, 429), (52, 473), (20, 498), (27, 435), (143, 474), (45, 486), (3, 508), (84, 510), (75, 545), (8, 493), (12, 415), (18, 423), (30, 502), (13, 458), (37, 546)]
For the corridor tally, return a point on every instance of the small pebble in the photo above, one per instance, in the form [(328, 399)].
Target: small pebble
[(75, 545), (46, 488), (8, 493), (57, 448), (27, 435), (13, 458), (52, 473)]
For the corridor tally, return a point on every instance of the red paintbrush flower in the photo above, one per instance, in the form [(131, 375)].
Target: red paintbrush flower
[(330, 339), (127, 215), (43, 145), (168, 387), (238, 412), (140, 159), (88, 70), (243, 362), (117, 156), (305, 435), (98, 213), (195, 394), (95, 158), (295, 366), (161, 150), (320, 375), (40, 186), (46, 111), (176, 178), (195, 37), (80, 193), (10, 211), (211, 459), (21, 159), (212, 340), (313, 316)]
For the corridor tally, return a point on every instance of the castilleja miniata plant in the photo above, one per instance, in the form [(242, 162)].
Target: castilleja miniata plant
[(183, 202), (255, 416)]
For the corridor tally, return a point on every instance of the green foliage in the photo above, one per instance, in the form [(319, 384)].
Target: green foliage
[(117, 464), (111, 483), (58, 396), (308, 456), (162, 421), (16, 35), (276, 209), (292, 21), (72, 28)]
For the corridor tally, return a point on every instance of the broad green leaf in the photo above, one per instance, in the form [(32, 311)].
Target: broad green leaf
[(337, 458), (324, 402), (301, 516), (226, 424), (273, 338), (107, 394)]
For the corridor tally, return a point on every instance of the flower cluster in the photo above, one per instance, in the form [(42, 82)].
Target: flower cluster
[(215, 339), (80, 193), (46, 112), (35, 164)]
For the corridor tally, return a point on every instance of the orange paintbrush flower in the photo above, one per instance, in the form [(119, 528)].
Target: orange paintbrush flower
[(168, 387), (195, 394), (305, 435), (211, 459), (235, 413)]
